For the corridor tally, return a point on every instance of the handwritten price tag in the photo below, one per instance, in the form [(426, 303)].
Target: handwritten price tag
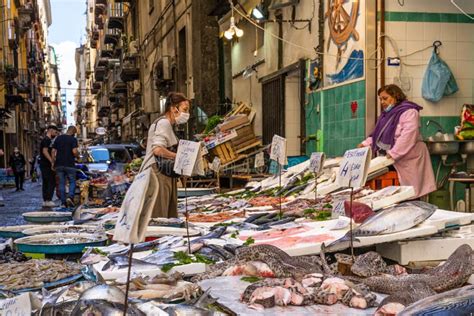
[(316, 162), (278, 152), (16, 306), (186, 157), (354, 168), (216, 164), (259, 160)]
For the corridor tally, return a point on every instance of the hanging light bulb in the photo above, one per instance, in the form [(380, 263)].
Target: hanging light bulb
[(233, 29)]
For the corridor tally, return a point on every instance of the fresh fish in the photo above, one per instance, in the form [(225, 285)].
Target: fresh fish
[(187, 310), (210, 254), (455, 302), (121, 261), (278, 222), (104, 292), (254, 217), (396, 302), (50, 298), (215, 253), (226, 255), (231, 248), (104, 308), (295, 189), (216, 233), (395, 219), (61, 309), (160, 257)]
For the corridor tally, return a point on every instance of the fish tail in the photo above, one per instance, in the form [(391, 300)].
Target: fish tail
[(342, 243)]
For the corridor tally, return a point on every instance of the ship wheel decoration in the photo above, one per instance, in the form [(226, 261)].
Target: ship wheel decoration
[(341, 24)]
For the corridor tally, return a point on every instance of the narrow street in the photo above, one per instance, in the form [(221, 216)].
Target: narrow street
[(17, 203)]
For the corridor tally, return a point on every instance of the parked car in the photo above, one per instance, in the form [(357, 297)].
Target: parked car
[(101, 158)]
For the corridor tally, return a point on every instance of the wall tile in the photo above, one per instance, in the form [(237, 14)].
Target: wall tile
[(414, 31), (465, 50), (448, 32), (448, 51), (431, 32), (464, 32), (465, 88), (465, 69)]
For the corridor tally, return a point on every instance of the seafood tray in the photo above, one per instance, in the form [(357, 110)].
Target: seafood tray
[(426, 249), (160, 231), (59, 243), (195, 192), (187, 269), (47, 217), (53, 229), (52, 285), (14, 231)]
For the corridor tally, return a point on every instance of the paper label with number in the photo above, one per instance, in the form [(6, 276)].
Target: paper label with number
[(186, 157), (259, 160), (316, 162), (216, 164), (16, 306), (278, 152), (354, 167)]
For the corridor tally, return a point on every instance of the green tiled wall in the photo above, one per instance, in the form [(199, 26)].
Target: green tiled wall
[(393, 16), (313, 121), (340, 130), (447, 123)]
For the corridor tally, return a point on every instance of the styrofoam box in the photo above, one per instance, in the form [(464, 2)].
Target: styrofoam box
[(432, 249)]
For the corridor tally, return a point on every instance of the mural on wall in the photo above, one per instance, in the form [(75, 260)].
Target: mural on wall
[(344, 34)]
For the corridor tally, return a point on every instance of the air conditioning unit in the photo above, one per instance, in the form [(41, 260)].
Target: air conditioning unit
[(163, 69)]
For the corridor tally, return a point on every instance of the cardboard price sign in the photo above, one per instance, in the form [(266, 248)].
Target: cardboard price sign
[(187, 157), (16, 306), (316, 162), (354, 167), (259, 160), (278, 152), (216, 164)]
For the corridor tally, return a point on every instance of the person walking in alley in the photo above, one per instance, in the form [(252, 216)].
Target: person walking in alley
[(46, 166), (65, 149), (18, 163)]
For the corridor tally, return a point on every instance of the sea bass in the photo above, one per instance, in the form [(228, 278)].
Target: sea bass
[(455, 302), (392, 220)]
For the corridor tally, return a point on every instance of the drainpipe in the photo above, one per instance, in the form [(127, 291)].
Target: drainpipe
[(381, 5), (279, 18)]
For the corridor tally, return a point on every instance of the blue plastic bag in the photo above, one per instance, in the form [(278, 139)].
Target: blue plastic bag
[(438, 80)]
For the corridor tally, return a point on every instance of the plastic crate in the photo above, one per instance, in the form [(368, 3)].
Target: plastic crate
[(383, 181)]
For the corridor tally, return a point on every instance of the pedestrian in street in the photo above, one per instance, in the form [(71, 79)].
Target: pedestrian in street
[(18, 163), (65, 150), (1, 195), (46, 166), (33, 161), (161, 152)]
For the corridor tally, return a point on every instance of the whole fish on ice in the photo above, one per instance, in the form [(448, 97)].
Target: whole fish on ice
[(392, 220)]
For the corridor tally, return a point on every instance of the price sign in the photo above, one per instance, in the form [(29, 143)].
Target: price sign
[(278, 152), (316, 162), (186, 157), (18, 306), (259, 160), (354, 167), (216, 164)]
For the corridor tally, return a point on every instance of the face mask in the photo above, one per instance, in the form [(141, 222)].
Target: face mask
[(388, 108), (182, 118)]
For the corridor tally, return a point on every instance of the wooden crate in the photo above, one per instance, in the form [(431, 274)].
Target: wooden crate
[(225, 152)]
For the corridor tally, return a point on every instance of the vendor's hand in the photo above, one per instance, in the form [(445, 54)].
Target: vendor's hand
[(360, 145), (388, 156)]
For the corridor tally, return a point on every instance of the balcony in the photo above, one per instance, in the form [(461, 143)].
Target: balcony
[(22, 82), (98, 20), (104, 2), (100, 73), (26, 16), (107, 51), (116, 83), (96, 87), (130, 70), (116, 17), (89, 105), (95, 35), (104, 62), (112, 36), (93, 44)]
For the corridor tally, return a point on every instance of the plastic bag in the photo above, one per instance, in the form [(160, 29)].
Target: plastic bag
[(438, 80)]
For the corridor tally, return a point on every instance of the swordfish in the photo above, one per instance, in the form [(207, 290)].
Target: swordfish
[(391, 220)]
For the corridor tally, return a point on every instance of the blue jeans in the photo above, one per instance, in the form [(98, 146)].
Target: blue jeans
[(70, 174)]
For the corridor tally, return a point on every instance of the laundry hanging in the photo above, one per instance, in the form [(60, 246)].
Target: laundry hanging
[(438, 80)]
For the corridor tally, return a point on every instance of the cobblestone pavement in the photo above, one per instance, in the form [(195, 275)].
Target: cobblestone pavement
[(17, 203)]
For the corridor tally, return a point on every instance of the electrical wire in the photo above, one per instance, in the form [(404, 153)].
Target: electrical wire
[(462, 11), (308, 25)]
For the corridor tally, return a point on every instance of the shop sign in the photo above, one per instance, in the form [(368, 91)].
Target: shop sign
[(354, 167), (278, 152), (186, 157), (100, 131), (316, 162)]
